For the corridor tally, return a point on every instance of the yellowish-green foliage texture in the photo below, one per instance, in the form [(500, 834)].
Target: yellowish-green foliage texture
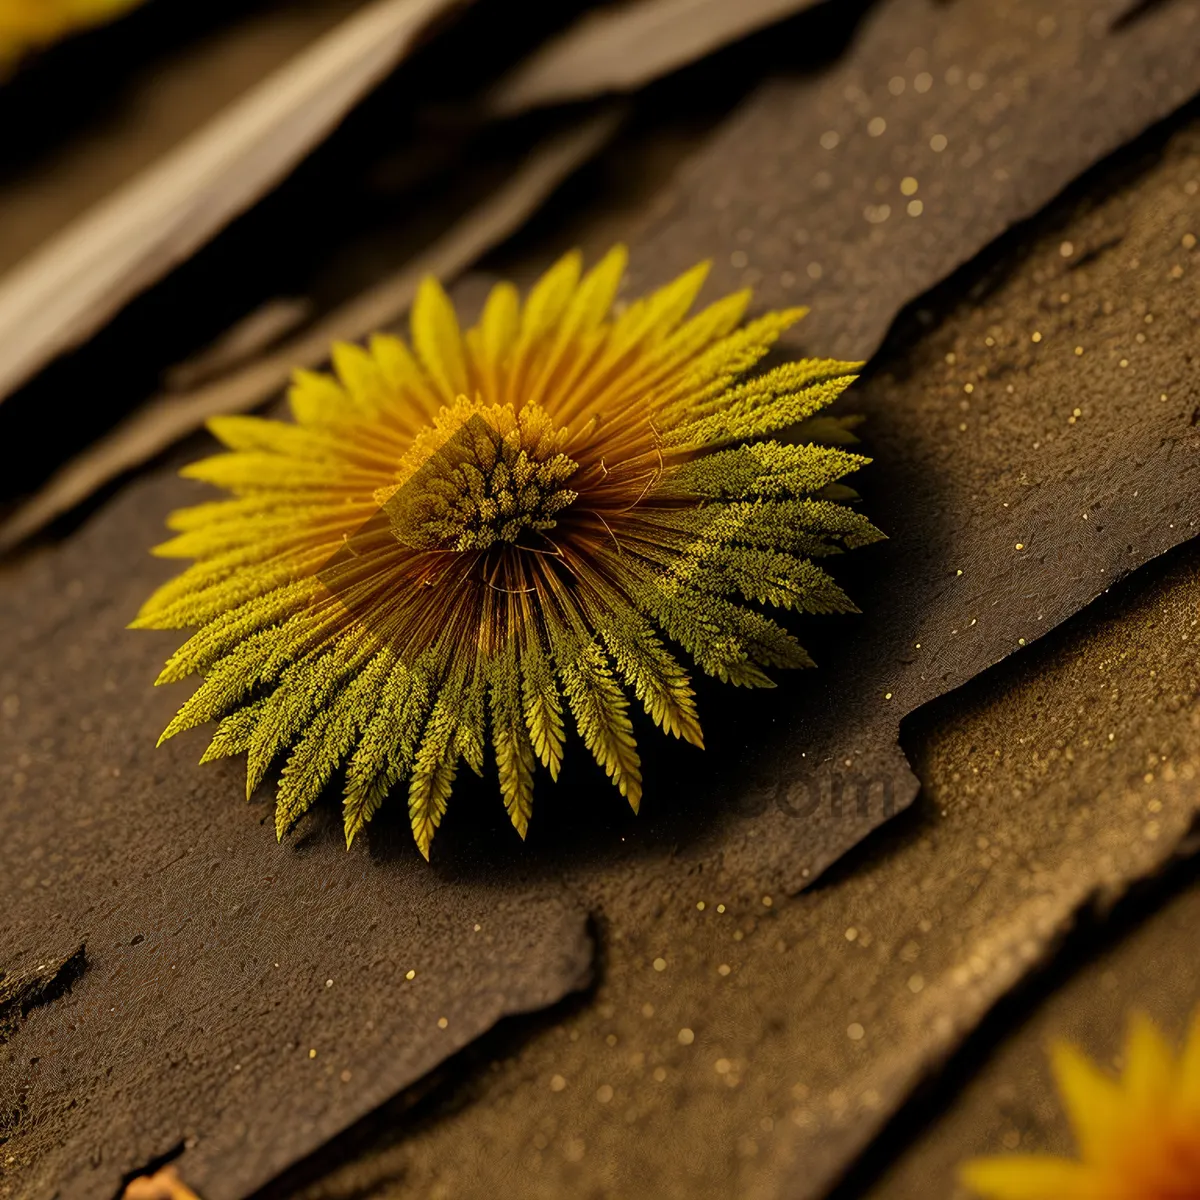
[(1138, 1136), (466, 547), (28, 24)]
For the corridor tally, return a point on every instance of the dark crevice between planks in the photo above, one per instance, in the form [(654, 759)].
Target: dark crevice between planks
[(152, 1167), (1137, 10), (21, 993)]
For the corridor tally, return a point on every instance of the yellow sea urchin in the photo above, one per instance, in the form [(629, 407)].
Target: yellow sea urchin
[(462, 544)]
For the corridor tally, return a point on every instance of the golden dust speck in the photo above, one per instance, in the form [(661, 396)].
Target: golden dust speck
[(647, 1010), (1035, 336), (721, 907), (876, 126), (909, 185), (938, 143), (685, 1037), (442, 1022), (699, 905), (1020, 641), (478, 928), (1123, 363), (1067, 249), (1020, 545), (1191, 187), (851, 934), (410, 975), (923, 82), (557, 1083), (958, 572), (968, 388), (915, 984), (1188, 241), (345, 1076), (312, 1054), (876, 214), (604, 1093), (660, 964), (896, 85), (887, 695), (951, 358), (918, 645), (722, 1066), (1078, 412), (1078, 350), (660, 1073), (830, 139), (724, 969), (989, 341), (329, 983), (1064, 298), (767, 901), (915, 208), (611, 1040), (855, 1032), (1176, 272)]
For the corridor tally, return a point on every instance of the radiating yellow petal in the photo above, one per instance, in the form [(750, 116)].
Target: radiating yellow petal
[(1033, 1177), (492, 340), (406, 379), (1189, 1071), (1149, 1077), (1094, 1103), (360, 376), (593, 299), (318, 399), (669, 305), (549, 297), (542, 311), (572, 346), (438, 341)]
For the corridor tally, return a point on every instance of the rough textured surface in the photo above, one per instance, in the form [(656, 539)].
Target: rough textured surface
[(1011, 1103), (767, 1045), (970, 115)]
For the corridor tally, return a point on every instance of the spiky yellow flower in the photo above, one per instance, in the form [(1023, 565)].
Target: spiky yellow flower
[(28, 24), (464, 544), (1138, 1138)]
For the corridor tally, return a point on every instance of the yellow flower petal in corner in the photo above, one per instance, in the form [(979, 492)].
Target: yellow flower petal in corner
[(1138, 1140), (1033, 1177)]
